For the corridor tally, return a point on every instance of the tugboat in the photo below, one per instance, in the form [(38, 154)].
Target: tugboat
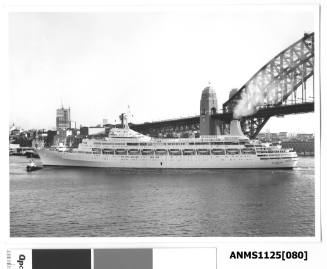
[(32, 166)]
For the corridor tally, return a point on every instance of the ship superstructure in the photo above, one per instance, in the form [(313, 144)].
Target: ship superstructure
[(126, 148)]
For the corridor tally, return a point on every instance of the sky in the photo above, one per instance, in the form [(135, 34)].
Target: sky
[(157, 63)]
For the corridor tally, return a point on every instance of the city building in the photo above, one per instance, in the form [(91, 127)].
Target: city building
[(262, 137), (63, 118), (304, 137), (14, 130), (282, 136)]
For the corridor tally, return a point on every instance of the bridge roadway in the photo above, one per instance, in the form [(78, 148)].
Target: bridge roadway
[(227, 117), (169, 122)]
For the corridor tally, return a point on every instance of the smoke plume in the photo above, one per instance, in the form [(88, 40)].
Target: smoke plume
[(256, 95)]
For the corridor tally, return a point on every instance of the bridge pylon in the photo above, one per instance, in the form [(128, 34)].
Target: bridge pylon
[(208, 107)]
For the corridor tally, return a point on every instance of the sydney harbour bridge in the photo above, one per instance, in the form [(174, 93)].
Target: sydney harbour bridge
[(279, 88)]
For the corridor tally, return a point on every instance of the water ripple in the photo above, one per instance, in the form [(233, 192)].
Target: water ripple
[(125, 202)]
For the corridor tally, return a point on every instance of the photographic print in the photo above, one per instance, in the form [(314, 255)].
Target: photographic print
[(193, 122)]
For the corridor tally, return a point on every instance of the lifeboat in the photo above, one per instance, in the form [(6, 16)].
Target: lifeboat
[(248, 151), (232, 151), (133, 151), (96, 151), (175, 152), (218, 152), (120, 151), (203, 152), (147, 151), (108, 151), (188, 152), (161, 152)]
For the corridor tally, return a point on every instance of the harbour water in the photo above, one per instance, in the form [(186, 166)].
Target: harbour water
[(64, 202)]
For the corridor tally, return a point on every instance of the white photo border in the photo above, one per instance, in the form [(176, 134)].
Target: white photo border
[(100, 242)]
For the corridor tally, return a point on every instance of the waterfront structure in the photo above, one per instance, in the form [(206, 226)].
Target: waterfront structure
[(301, 147), (305, 137), (63, 118), (282, 136), (14, 130), (128, 149)]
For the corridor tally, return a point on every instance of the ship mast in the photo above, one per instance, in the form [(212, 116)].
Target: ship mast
[(124, 120)]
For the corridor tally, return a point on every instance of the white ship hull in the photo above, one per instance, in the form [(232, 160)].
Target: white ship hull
[(57, 158)]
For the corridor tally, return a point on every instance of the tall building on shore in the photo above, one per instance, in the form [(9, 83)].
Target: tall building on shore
[(63, 118)]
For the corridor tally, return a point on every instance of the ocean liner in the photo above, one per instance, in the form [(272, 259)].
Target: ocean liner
[(125, 148)]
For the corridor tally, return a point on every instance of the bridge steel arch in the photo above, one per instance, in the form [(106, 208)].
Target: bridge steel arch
[(280, 78)]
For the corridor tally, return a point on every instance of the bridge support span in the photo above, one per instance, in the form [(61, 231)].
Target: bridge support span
[(273, 91)]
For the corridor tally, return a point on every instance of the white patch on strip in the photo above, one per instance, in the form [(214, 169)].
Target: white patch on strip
[(184, 258)]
